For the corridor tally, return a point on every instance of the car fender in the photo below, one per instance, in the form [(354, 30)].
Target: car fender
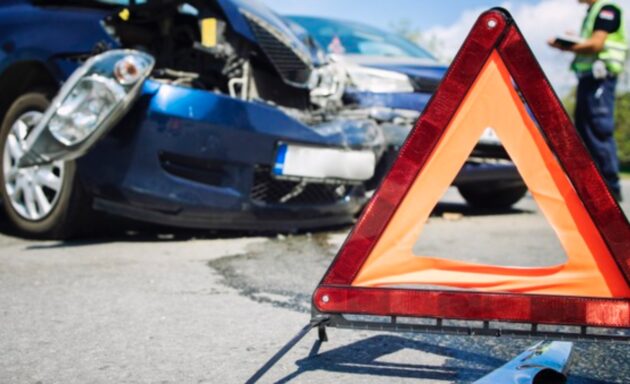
[(60, 32)]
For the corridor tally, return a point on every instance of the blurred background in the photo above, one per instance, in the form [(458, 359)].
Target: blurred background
[(441, 27)]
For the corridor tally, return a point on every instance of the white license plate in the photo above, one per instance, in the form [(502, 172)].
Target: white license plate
[(323, 163)]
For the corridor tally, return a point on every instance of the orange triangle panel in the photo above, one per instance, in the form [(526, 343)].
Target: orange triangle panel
[(496, 82)]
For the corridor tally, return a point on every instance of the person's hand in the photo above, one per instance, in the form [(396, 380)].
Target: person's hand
[(553, 43)]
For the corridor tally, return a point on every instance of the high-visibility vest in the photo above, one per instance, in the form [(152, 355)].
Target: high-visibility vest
[(615, 47)]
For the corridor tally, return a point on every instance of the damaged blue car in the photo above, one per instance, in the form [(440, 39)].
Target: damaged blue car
[(396, 79), (196, 113)]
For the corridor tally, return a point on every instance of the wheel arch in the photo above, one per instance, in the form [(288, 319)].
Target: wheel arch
[(21, 77)]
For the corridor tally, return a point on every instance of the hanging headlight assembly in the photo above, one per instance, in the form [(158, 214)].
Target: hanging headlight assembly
[(90, 103)]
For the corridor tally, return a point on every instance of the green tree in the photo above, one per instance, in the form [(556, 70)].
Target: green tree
[(622, 124), (622, 129)]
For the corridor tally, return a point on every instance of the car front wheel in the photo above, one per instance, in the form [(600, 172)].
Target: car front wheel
[(41, 201)]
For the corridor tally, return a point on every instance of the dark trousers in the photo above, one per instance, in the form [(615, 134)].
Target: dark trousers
[(594, 120)]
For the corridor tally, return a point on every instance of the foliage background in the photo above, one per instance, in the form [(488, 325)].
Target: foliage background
[(622, 124), (622, 132)]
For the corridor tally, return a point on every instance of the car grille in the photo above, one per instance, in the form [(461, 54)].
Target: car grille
[(268, 190), (291, 64), (195, 169)]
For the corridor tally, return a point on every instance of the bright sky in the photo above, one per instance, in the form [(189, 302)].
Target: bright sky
[(425, 14), (450, 20)]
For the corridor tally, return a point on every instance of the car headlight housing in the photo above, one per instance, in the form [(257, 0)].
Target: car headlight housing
[(90, 103), (96, 95), (85, 108), (378, 80)]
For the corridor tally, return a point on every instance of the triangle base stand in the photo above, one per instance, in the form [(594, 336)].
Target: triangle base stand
[(557, 353), (316, 322), (472, 328)]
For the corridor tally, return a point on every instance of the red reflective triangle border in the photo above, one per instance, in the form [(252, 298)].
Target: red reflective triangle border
[(494, 30)]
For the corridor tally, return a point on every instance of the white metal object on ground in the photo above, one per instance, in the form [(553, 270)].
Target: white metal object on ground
[(546, 362)]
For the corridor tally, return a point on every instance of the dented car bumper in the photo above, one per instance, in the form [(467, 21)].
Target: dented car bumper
[(194, 158)]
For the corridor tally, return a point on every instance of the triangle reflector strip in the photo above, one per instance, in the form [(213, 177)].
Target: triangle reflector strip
[(496, 82)]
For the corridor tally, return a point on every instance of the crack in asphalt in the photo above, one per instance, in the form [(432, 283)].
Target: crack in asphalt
[(231, 278), (280, 257), (284, 271)]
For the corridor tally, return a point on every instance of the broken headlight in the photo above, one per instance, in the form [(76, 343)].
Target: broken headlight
[(86, 106), (378, 80), (90, 103)]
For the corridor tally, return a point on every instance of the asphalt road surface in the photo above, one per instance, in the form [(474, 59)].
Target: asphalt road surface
[(159, 306)]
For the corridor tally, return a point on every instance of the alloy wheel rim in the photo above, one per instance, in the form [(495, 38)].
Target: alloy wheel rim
[(33, 192)]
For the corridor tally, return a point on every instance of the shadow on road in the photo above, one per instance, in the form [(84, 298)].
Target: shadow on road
[(113, 229), (129, 234), (467, 210), (365, 357), (368, 357), (122, 231)]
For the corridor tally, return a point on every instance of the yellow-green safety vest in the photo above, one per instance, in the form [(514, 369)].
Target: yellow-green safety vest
[(615, 47)]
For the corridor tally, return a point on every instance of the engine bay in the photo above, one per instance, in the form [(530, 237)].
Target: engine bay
[(194, 45)]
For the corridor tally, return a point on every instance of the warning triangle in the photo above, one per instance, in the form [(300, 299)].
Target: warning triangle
[(494, 81)]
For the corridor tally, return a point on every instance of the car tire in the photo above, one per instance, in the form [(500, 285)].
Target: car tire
[(492, 195), (65, 214)]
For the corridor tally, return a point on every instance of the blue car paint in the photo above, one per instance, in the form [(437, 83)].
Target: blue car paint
[(204, 125), (281, 156), (60, 31), (124, 173), (397, 100), (236, 19), (239, 22)]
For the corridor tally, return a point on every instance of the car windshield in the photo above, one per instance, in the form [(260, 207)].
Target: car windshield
[(359, 39)]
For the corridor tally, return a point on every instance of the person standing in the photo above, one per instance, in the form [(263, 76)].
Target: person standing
[(599, 60)]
